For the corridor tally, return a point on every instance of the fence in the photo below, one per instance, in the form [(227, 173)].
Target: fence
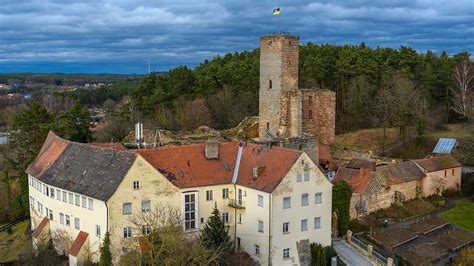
[(379, 259), (10, 224)]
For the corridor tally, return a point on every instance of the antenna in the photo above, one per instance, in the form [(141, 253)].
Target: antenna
[(149, 66), (139, 134)]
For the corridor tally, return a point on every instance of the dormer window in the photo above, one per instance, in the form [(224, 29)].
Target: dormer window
[(136, 185)]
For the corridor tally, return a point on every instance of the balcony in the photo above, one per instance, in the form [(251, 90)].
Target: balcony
[(238, 204)]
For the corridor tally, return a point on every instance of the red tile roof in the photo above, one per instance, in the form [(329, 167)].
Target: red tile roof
[(438, 163), (186, 166), (399, 172), (52, 148), (40, 227), (361, 163), (116, 146), (78, 243), (358, 179), (326, 157)]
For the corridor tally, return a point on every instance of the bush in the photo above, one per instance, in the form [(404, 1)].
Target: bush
[(450, 193), (321, 256), (10, 230), (341, 200)]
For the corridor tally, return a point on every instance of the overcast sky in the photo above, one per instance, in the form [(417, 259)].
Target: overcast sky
[(118, 36)]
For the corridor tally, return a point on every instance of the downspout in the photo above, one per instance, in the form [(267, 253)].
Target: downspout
[(269, 229), (107, 218), (234, 182)]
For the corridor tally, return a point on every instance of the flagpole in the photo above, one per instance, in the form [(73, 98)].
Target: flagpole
[(279, 26)]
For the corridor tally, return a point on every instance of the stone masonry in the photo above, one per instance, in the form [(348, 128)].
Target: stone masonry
[(289, 115)]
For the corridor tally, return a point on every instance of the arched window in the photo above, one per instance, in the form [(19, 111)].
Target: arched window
[(269, 84)]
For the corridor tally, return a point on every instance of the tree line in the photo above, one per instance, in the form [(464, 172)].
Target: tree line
[(375, 87)]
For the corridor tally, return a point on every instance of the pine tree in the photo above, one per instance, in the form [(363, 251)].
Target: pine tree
[(105, 255), (215, 235)]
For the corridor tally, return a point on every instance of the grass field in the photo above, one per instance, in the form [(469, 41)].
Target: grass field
[(462, 215), (16, 243)]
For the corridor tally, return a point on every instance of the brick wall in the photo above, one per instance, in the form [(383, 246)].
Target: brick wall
[(319, 114)]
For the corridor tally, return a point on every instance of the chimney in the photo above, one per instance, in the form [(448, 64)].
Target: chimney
[(212, 149)]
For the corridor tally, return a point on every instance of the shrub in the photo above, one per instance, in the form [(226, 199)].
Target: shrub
[(10, 230), (450, 193), (321, 256)]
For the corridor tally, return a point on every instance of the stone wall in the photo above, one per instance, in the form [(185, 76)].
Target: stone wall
[(307, 143), (290, 125), (278, 73), (319, 114)]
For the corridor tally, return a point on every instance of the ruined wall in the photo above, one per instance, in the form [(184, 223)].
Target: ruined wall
[(307, 143), (319, 114), (290, 125), (278, 73)]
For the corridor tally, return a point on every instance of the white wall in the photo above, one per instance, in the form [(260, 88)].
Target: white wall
[(289, 187), (63, 236)]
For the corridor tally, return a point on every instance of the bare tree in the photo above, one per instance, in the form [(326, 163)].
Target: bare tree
[(164, 242), (438, 183), (464, 78)]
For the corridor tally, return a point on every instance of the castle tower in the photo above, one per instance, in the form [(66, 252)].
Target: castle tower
[(279, 98)]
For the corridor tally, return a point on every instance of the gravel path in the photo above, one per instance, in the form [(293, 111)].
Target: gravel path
[(350, 255)]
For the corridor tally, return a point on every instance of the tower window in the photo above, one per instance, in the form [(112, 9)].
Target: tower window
[(289, 62), (310, 100), (310, 114), (268, 125), (269, 84), (289, 43)]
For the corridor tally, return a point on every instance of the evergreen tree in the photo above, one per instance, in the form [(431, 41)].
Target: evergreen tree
[(75, 124), (105, 255), (215, 235)]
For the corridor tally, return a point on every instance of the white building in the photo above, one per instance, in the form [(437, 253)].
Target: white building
[(272, 198)]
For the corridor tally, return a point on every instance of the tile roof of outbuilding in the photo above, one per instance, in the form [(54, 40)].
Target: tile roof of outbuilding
[(357, 178), (399, 172), (187, 167), (438, 163), (37, 232), (78, 243)]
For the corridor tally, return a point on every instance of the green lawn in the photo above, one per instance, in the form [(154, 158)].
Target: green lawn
[(462, 215), (16, 243)]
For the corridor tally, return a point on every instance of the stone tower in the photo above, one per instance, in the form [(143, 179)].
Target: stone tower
[(279, 98)]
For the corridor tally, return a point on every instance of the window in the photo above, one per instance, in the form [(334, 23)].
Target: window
[(318, 198), (71, 198), (270, 85), (225, 217), (190, 214), (225, 193), (209, 195), (46, 189), (64, 196), (146, 229), (84, 202), (260, 200), (127, 232), (146, 206), (260, 226), (68, 220), (310, 114), (257, 249), (127, 208), (299, 177), (286, 253), (306, 176), (61, 218), (286, 228), (40, 208), (268, 126), (239, 197), (58, 194), (32, 202), (136, 185), (304, 200), (240, 218), (452, 172), (47, 212), (52, 195), (78, 200), (317, 222), (51, 215), (77, 223), (97, 230), (304, 225), (310, 100), (286, 202), (445, 173), (91, 204)]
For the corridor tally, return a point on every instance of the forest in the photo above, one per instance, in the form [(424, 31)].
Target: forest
[(375, 87)]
